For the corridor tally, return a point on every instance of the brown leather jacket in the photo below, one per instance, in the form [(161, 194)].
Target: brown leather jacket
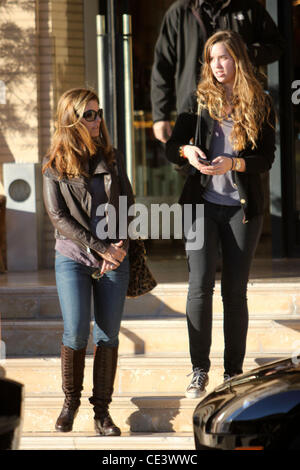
[(68, 202)]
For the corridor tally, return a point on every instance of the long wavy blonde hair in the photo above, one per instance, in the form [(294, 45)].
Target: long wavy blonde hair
[(250, 104), (72, 144)]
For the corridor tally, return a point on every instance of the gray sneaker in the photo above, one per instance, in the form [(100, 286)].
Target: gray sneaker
[(229, 377), (197, 386)]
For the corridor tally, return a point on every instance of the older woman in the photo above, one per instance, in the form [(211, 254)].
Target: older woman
[(81, 173)]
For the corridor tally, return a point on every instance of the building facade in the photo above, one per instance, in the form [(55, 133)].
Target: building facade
[(49, 46)]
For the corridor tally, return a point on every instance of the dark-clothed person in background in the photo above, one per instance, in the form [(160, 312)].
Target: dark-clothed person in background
[(186, 26), (81, 173)]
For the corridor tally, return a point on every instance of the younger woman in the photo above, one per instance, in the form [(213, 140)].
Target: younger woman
[(235, 146)]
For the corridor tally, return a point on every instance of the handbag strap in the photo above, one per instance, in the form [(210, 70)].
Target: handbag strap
[(197, 140), (198, 127)]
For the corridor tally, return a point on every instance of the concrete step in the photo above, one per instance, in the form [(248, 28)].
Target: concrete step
[(280, 334), (40, 301), (148, 392), (152, 413), (161, 373), (153, 363), (128, 441)]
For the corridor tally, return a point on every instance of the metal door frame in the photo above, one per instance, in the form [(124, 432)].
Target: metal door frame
[(284, 217)]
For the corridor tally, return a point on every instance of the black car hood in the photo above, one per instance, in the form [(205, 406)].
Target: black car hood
[(272, 370), (283, 374)]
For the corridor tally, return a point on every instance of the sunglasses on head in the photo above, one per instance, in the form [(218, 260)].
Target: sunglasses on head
[(91, 115)]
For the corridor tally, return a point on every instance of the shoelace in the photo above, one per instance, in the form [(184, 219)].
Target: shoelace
[(227, 377), (198, 378)]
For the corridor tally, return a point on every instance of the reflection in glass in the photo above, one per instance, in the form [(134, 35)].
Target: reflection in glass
[(155, 176), (296, 56)]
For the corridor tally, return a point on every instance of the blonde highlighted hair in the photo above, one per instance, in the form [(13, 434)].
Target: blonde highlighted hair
[(72, 144), (251, 106)]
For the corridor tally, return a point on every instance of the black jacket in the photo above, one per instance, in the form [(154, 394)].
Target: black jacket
[(184, 30), (68, 201), (258, 160)]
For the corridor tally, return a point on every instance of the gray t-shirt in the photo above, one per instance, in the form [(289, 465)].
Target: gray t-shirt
[(221, 188)]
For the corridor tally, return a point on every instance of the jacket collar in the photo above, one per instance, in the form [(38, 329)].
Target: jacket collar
[(221, 3), (209, 127), (98, 164)]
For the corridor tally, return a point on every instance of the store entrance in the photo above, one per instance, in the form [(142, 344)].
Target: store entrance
[(120, 38), (289, 100), (296, 115), (154, 178)]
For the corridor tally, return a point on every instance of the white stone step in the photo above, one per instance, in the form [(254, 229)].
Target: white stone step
[(139, 413), (148, 393), (40, 301), (128, 441), (153, 363), (279, 334), (161, 373), (135, 374)]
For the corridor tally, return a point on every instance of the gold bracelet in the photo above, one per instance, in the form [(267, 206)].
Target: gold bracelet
[(238, 164), (181, 153)]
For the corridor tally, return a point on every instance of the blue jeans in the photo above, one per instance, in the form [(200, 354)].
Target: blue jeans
[(78, 292), (223, 229)]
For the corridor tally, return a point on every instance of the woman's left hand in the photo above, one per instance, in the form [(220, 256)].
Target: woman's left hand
[(107, 266), (219, 166)]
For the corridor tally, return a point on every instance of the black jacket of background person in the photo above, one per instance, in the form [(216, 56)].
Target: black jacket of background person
[(178, 51), (258, 160)]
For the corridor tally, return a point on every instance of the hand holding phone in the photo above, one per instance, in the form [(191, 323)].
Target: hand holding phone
[(195, 156), (204, 161)]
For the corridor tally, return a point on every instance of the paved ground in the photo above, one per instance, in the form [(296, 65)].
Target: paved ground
[(172, 270)]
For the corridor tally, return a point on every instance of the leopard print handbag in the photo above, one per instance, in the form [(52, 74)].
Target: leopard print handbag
[(141, 280)]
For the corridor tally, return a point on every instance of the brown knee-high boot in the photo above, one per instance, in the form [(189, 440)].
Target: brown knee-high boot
[(104, 371), (72, 367)]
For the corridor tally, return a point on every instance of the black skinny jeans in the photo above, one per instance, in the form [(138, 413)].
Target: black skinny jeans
[(224, 232)]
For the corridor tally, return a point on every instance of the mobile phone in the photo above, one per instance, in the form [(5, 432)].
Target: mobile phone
[(203, 161)]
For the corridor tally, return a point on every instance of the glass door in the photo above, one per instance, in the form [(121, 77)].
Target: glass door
[(156, 181), (290, 123), (285, 191), (120, 37), (296, 99)]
